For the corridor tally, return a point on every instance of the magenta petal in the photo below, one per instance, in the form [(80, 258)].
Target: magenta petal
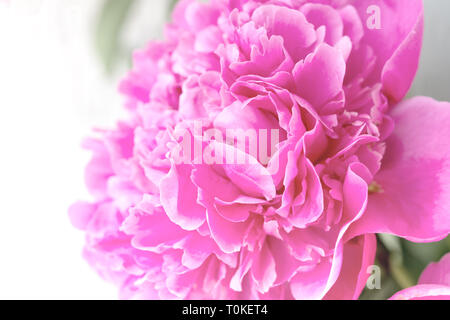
[(434, 283), (414, 200), (396, 43), (179, 198), (423, 292), (285, 263), (399, 71), (263, 269), (359, 254), (437, 272)]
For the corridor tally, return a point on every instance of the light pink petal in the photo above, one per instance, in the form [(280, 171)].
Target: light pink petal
[(355, 202), (80, 213), (228, 235), (150, 228), (297, 33), (99, 168), (196, 249), (181, 284), (252, 177), (264, 269), (302, 201), (320, 76), (414, 196), (201, 15), (324, 15), (179, 198), (208, 39)]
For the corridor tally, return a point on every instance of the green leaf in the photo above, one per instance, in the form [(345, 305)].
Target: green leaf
[(427, 252), (107, 37), (398, 271), (418, 255)]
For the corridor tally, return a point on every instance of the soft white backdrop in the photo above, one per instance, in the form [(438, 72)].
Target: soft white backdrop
[(52, 91)]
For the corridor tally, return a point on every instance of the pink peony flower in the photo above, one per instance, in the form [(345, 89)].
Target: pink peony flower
[(434, 283), (296, 219)]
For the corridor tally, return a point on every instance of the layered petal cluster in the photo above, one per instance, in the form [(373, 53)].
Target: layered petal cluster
[(296, 220)]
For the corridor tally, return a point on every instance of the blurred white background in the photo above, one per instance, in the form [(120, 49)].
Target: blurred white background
[(52, 91)]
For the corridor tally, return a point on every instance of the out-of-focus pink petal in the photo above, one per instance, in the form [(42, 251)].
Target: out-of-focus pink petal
[(423, 292), (437, 272), (80, 213)]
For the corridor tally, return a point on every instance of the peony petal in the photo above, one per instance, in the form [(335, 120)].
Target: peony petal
[(179, 198), (196, 249), (298, 34), (437, 272), (396, 43), (229, 236), (150, 227), (414, 196), (320, 76), (302, 200), (263, 269), (400, 70), (310, 285), (324, 15), (434, 283), (423, 292), (80, 213), (359, 254)]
